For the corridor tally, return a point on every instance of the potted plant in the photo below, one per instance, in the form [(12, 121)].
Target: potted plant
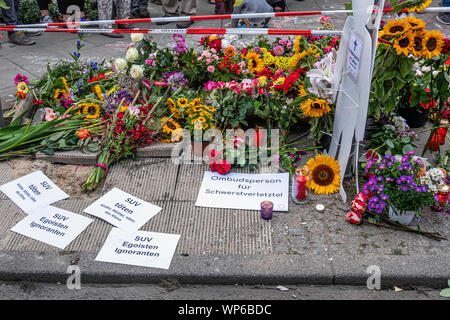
[(395, 186)]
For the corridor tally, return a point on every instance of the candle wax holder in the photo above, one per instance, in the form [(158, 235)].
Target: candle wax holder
[(299, 181), (266, 210)]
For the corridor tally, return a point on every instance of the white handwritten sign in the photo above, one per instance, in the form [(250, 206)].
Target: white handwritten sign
[(354, 56), (244, 191), (51, 225), (33, 191), (142, 248), (123, 210)]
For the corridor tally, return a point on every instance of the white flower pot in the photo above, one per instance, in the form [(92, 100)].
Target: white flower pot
[(402, 217)]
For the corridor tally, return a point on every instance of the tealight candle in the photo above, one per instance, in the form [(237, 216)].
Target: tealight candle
[(266, 210)]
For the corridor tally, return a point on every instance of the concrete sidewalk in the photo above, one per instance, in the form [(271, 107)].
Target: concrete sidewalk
[(216, 245)]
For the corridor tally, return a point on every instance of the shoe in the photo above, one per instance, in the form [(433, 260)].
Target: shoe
[(33, 33), (185, 25), (443, 18), (164, 22), (20, 39), (113, 35), (143, 13), (46, 19)]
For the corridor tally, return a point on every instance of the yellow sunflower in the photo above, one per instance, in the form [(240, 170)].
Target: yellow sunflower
[(432, 44), (417, 49), (396, 27), (404, 44), (98, 92), (301, 90), (59, 94), (325, 174), (229, 52), (196, 102), (382, 35), (22, 87), (315, 108), (182, 103), (210, 109), (91, 110), (415, 24), (255, 63), (173, 108), (170, 125), (419, 5)]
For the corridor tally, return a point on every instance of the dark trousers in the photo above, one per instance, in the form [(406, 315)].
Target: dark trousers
[(138, 4), (11, 15), (64, 4), (43, 4)]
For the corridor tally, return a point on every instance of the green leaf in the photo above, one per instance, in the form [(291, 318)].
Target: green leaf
[(390, 144), (445, 293), (405, 140), (372, 220), (49, 152), (56, 136)]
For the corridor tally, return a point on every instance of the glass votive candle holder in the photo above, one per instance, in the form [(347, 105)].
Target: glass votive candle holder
[(266, 210), (299, 185)]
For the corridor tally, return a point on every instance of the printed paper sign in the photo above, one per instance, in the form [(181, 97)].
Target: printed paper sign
[(33, 191), (123, 210), (244, 191), (52, 225), (354, 56), (143, 248)]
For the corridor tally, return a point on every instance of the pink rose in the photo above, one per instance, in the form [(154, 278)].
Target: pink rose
[(211, 69), (210, 85)]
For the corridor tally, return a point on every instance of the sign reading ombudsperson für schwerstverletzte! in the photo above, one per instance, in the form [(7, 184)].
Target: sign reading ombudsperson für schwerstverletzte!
[(244, 191), (33, 191)]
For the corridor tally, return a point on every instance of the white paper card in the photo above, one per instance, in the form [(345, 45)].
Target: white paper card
[(33, 191), (244, 191), (142, 248), (123, 210), (51, 225), (354, 56)]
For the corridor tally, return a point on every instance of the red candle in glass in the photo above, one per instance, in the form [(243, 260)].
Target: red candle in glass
[(301, 187), (442, 132)]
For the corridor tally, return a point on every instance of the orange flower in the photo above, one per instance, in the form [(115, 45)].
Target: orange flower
[(21, 94), (83, 134)]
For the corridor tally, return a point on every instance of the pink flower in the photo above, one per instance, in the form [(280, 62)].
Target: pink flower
[(49, 114), (220, 84), (65, 116), (210, 85), (208, 61), (278, 50), (211, 69), (130, 45), (213, 50), (325, 19), (20, 78), (354, 217)]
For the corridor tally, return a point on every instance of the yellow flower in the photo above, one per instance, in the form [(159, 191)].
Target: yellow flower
[(229, 52), (170, 125), (262, 81), (124, 108), (415, 24), (22, 87), (432, 44), (91, 110), (196, 102), (255, 63), (325, 175), (315, 108), (182, 103), (64, 80), (297, 44), (301, 90), (59, 94), (98, 92), (173, 109), (396, 27), (417, 48), (111, 91), (404, 44), (210, 109), (419, 5)]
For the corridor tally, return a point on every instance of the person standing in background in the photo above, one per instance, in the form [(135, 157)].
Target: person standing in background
[(444, 17), (251, 6), (65, 5), (11, 17), (139, 8), (175, 8), (43, 6), (105, 12)]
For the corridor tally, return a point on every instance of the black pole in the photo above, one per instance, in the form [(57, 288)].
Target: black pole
[(2, 123)]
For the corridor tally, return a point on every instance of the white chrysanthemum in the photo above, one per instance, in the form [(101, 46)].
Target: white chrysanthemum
[(120, 64), (137, 37), (136, 71), (132, 54)]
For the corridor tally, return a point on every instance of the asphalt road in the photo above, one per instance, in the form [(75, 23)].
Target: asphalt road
[(172, 290)]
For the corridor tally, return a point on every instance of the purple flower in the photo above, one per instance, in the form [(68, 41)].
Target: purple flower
[(418, 189), (404, 187), (257, 50), (384, 197), (20, 78)]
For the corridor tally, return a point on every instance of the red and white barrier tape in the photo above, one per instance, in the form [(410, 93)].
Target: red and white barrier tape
[(208, 17), (223, 31)]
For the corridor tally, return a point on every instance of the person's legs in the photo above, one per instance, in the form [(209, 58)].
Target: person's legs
[(170, 8), (105, 9), (11, 17), (143, 11), (444, 17), (188, 7)]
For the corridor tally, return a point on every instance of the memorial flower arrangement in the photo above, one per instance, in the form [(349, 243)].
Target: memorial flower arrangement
[(399, 183)]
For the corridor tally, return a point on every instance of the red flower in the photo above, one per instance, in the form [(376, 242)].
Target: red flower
[(372, 155), (354, 217), (223, 167), (215, 44), (446, 47), (120, 115), (244, 51), (358, 206), (432, 101), (118, 129), (212, 166), (447, 63), (290, 79), (266, 73)]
